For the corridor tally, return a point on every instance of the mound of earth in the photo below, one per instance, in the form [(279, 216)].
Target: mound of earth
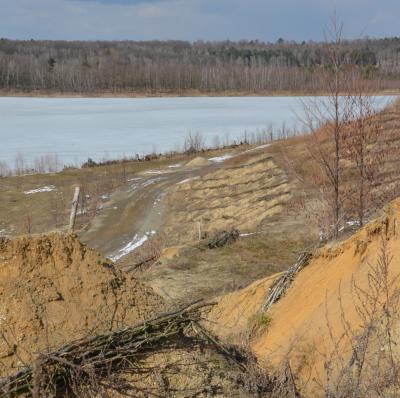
[(339, 315), (239, 196), (198, 162), (54, 289)]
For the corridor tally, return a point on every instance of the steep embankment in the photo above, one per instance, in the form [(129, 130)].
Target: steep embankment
[(54, 289), (333, 314), (232, 318)]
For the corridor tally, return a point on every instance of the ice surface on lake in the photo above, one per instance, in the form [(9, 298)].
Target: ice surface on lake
[(104, 128)]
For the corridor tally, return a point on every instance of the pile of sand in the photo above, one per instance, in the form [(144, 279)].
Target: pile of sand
[(54, 289), (197, 162)]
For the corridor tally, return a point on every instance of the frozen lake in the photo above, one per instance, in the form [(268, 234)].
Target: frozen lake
[(105, 128)]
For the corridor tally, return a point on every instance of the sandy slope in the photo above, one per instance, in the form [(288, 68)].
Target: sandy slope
[(318, 314), (53, 289), (231, 318)]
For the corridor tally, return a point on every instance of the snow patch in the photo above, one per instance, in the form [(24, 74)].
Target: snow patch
[(155, 172), (152, 181), (174, 166), (257, 148), (157, 201), (187, 180), (220, 159), (136, 242), (47, 188), (352, 223)]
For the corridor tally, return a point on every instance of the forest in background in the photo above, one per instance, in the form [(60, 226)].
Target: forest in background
[(184, 67)]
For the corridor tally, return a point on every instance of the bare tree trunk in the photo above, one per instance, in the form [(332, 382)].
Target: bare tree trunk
[(326, 119), (74, 208)]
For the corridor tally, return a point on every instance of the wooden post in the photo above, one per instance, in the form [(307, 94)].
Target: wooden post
[(74, 208)]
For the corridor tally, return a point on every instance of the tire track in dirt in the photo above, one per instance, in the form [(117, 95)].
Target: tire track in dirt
[(136, 211)]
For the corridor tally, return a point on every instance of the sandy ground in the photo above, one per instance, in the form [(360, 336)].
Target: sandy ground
[(319, 319), (54, 289)]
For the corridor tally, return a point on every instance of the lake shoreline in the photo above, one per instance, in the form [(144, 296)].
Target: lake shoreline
[(172, 94), (69, 131)]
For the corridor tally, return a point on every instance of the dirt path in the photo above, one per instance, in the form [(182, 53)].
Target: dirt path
[(136, 212), (248, 191)]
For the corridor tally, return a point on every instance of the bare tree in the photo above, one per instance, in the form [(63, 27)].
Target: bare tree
[(359, 146), (373, 369), (4, 169), (177, 66), (19, 164), (194, 143), (326, 118)]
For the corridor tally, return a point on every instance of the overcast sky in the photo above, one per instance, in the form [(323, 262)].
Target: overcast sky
[(192, 20)]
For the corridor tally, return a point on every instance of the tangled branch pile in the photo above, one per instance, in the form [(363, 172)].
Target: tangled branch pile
[(95, 357), (281, 285), (223, 238)]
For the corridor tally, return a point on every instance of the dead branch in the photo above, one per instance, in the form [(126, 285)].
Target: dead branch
[(97, 355), (282, 284)]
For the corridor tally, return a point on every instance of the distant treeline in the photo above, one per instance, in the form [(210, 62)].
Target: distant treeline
[(179, 67)]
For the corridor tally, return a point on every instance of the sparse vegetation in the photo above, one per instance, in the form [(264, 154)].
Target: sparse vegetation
[(260, 321), (73, 323)]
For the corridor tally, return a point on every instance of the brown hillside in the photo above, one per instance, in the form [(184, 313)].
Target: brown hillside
[(318, 324), (54, 289)]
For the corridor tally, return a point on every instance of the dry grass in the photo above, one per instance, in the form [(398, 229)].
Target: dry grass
[(199, 272), (41, 212)]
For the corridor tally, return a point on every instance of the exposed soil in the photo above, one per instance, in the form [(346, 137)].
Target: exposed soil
[(318, 318), (235, 314), (54, 289), (138, 209)]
